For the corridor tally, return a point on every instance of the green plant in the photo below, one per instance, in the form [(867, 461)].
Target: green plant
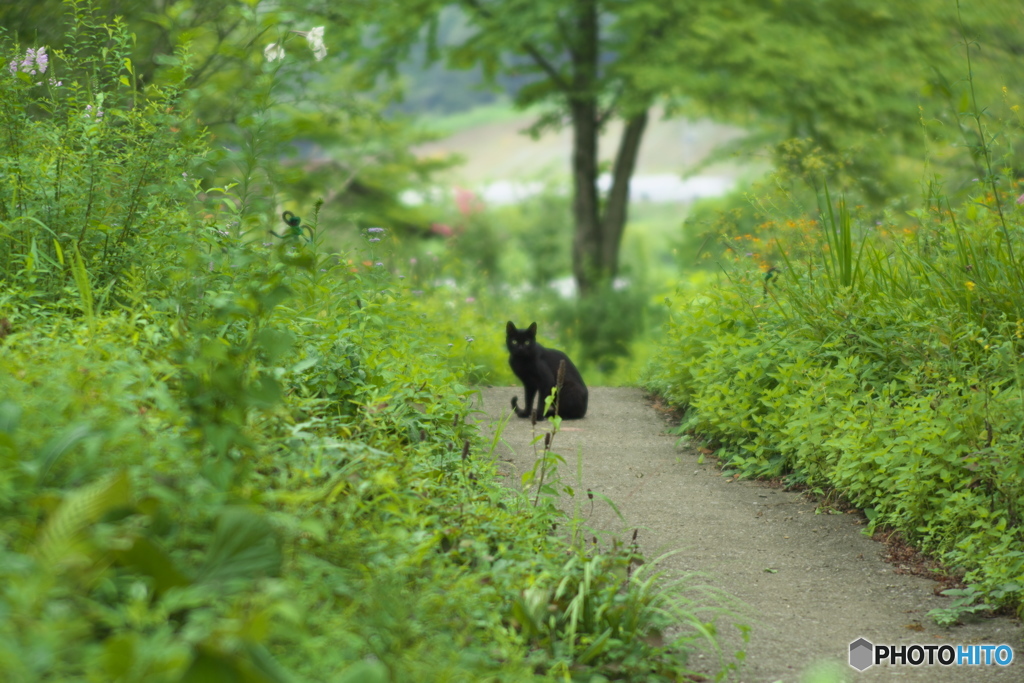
[(96, 169), (881, 364), (239, 459), (964, 602)]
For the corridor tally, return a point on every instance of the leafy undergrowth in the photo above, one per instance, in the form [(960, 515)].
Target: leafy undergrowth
[(222, 460), (280, 485), (881, 360), (887, 371)]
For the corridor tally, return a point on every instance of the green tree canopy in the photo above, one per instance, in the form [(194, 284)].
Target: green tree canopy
[(832, 71)]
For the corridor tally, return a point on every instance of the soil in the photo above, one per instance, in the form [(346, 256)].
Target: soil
[(806, 578)]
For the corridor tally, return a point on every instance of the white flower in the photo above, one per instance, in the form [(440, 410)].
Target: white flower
[(273, 52), (315, 38)]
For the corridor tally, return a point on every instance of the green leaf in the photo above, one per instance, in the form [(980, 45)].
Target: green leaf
[(244, 545), (365, 672), (10, 416), (58, 446), (149, 559), (80, 509), (275, 343)]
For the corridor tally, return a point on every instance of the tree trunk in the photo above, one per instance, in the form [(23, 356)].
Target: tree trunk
[(616, 209), (598, 233), (587, 242), (583, 111)]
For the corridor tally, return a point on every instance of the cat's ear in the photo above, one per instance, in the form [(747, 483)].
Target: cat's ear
[(510, 328), (533, 329)]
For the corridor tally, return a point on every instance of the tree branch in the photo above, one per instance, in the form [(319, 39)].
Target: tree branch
[(602, 117), (534, 53)]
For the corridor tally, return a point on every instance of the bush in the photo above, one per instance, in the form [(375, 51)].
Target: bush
[(94, 170), (243, 461), (887, 371)]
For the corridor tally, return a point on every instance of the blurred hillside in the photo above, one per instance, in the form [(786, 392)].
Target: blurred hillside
[(506, 164)]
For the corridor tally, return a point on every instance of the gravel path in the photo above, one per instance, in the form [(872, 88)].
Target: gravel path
[(811, 583)]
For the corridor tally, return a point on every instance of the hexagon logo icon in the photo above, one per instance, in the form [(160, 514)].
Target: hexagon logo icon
[(861, 654)]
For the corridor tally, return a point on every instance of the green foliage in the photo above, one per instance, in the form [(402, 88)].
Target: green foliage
[(84, 152), (525, 243), (273, 483), (228, 459), (963, 603), (887, 370), (322, 139), (881, 362)]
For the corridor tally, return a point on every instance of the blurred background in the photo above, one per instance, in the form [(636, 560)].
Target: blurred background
[(485, 137)]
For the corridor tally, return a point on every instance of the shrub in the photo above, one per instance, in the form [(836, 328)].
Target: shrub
[(94, 169), (257, 465), (879, 371)]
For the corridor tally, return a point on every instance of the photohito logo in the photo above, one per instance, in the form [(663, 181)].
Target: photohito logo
[(864, 654)]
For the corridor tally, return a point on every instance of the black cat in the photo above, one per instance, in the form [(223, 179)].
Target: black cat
[(537, 368)]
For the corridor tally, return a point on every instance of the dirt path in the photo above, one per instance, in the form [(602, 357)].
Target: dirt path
[(811, 583)]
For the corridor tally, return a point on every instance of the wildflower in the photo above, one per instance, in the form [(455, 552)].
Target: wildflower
[(969, 285), (470, 299), (34, 62), (450, 345), (273, 52), (441, 229), (466, 201), (378, 264), (469, 340), (374, 239), (29, 61), (1020, 200), (315, 38)]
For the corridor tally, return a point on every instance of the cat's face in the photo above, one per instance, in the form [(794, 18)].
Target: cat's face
[(520, 342)]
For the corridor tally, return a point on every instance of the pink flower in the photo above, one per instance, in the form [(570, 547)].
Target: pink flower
[(34, 62), (441, 229), (1020, 199), (467, 201)]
